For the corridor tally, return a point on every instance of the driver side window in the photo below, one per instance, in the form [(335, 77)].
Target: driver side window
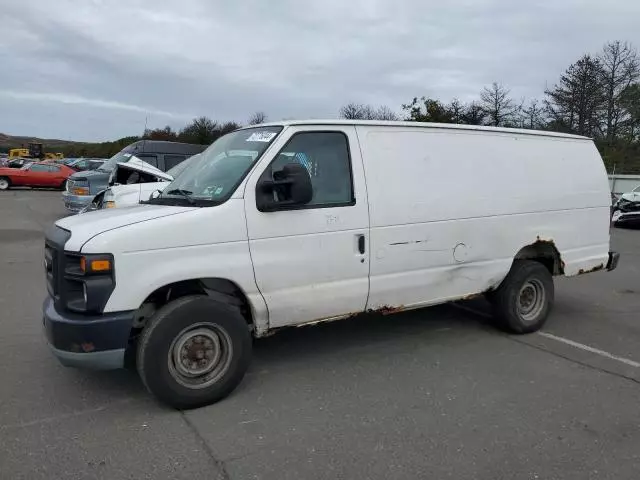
[(325, 156)]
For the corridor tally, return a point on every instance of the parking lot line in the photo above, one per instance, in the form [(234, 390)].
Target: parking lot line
[(566, 341), (587, 348)]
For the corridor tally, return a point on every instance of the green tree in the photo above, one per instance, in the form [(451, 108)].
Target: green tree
[(201, 130), (165, 133), (576, 103), (427, 110)]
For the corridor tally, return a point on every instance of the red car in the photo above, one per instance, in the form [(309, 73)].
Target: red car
[(43, 175)]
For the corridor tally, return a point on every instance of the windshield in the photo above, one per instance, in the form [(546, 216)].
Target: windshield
[(212, 177), (182, 166), (110, 164)]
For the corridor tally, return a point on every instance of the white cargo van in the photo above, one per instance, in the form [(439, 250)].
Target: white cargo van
[(308, 221)]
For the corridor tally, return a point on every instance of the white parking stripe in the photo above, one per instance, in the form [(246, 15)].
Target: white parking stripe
[(587, 348), (581, 346)]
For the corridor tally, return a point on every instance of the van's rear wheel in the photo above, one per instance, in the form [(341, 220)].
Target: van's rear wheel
[(524, 299), (194, 351)]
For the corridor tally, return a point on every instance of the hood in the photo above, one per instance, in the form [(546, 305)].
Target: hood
[(90, 175), (86, 226), (631, 196), (137, 165)]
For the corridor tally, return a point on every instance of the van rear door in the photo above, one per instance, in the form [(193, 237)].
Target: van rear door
[(311, 262)]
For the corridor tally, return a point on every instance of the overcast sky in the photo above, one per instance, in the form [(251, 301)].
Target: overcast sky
[(94, 69)]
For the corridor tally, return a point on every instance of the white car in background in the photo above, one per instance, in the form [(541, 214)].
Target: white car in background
[(626, 211), (135, 181)]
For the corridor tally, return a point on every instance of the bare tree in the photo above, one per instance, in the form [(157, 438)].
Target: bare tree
[(353, 111), (620, 69), (533, 116), (359, 111), (385, 113), (497, 105), (257, 118)]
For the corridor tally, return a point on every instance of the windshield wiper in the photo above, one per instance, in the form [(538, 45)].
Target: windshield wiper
[(185, 193)]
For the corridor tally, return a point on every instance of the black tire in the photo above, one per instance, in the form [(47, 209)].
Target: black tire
[(160, 341), (5, 183), (527, 279)]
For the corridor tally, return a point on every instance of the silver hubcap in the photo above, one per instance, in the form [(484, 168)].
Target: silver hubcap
[(3, 184), (200, 355), (531, 300)]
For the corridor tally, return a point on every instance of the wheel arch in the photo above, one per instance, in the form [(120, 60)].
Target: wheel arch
[(545, 252), (220, 289)]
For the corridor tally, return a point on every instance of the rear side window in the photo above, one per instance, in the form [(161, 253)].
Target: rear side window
[(39, 168), (325, 155), (53, 168), (150, 159), (171, 161)]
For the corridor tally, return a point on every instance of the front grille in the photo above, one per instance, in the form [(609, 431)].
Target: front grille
[(55, 240), (50, 258)]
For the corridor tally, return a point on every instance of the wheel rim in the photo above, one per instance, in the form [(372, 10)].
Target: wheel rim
[(200, 355), (531, 299), (3, 184)]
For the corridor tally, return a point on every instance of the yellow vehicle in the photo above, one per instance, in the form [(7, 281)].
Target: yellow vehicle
[(18, 152), (35, 150)]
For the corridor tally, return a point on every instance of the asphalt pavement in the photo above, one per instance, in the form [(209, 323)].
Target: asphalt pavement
[(433, 394)]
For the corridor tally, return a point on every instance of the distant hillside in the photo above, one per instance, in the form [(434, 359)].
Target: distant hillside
[(8, 141), (69, 148)]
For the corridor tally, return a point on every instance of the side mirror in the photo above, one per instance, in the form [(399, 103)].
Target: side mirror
[(290, 187)]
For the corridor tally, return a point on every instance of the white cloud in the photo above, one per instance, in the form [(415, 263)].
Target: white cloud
[(68, 99)]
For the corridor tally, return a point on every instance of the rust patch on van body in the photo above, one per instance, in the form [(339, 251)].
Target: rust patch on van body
[(540, 248), (590, 270), (386, 309)]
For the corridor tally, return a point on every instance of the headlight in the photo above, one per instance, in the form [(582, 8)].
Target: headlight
[(87, 282), (109, 204), (80, 190)]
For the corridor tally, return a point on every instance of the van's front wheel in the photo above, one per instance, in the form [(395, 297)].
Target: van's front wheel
[(524, 299), (193, 352)]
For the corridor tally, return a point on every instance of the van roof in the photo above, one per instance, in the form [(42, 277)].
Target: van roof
[(442, 126), (161, 146)]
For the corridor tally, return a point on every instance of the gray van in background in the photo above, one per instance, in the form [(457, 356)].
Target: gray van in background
[(83, 186)]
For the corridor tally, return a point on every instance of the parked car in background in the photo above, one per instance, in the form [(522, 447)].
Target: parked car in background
[(19, 162), (84, 164), (40, 174), (626, 210), (84, 186), (124, 192)]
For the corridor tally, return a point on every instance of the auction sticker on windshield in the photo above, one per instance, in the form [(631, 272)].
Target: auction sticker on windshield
[(265, 136)]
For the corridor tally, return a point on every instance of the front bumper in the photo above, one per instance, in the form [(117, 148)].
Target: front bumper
[(75, 203), (87, 341), (625, 218)]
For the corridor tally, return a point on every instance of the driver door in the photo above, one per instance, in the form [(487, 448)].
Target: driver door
[(311, 262)]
